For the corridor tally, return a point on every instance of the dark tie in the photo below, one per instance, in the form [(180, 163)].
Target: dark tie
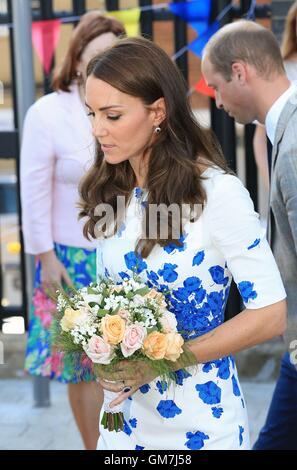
[(269, 156)]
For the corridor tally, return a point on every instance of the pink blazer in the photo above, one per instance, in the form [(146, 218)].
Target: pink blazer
[(57, 149)]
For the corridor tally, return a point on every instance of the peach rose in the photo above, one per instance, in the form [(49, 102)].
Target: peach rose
[(158, 296), (155, 345), (133, 339), (99, 351), (69, 319), (174, 346), (113, 328)]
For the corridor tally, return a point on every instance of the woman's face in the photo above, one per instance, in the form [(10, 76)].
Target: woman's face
[(122, 124), (94, 47)]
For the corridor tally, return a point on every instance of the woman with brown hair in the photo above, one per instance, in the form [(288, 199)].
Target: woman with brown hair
[(153, 153), (56, 151)]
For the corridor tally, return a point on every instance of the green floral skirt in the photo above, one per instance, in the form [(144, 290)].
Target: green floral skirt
[(40, 358)]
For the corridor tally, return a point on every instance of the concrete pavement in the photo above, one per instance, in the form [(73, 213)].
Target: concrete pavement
[(24, 427)]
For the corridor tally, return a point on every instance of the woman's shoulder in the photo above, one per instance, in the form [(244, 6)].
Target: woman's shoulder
[(45, 104), (54, 101), (221, 184)]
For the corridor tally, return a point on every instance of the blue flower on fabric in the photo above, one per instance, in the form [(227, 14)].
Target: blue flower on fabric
[(224, 368), (207, 367), (168, 409), (161, 386), (139, 447), (124, 275), (168, 272), (217, 411), (222, 365), (152, 276), (181, 294), (133, 422), (209, 393), (192, 284), (126, 429), (195, 440), (145, 388), (181, 375), (241, 431), (196, 322), (134, 262), (218, 275), (172, 246), (235, 386), (246, 291), (200, 295), (215, 301), (138, 192), (198, 258), (254, 244)]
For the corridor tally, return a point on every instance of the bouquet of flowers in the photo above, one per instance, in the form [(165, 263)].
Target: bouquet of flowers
[(111, 322)]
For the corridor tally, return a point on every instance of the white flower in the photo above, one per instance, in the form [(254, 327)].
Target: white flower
[(96, 298), (138, 300), (168, 322)]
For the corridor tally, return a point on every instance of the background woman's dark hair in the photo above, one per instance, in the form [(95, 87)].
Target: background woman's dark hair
[(91, 25), (140, 68)]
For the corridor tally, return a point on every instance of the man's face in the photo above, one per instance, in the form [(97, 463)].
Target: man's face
[(232, 96)]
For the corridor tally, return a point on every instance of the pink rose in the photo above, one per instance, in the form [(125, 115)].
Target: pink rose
[(168, 322), (99, 351), (124, 314), (133, 339)]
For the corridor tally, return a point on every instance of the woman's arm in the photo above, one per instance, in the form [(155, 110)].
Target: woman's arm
[(37, 173)]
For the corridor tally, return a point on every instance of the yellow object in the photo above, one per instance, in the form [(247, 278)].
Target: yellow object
[(13, 248), (129, 18)]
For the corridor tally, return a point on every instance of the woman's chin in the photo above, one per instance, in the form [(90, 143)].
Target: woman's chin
[(113, 161)]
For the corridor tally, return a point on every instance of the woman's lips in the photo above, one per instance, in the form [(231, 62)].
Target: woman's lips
[(106, 147)]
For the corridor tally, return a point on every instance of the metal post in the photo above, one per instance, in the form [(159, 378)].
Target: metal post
[(181, 40), (146, 20), (25, 94)]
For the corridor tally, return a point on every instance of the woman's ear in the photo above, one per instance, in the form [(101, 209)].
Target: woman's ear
[(158, 109)]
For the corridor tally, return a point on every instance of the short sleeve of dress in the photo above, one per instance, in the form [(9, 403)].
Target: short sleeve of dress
[(236, 232)]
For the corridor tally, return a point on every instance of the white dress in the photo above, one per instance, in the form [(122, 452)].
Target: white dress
[(206, 408)]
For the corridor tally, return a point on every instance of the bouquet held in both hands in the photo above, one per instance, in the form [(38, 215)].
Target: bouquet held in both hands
[(120, 327)]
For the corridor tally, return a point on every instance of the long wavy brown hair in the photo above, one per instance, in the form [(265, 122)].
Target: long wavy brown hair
[(289, 42), (140, 68)]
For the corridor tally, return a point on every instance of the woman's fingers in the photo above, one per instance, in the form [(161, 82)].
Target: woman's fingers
[(122, 397), (112, 386), (66, 278)]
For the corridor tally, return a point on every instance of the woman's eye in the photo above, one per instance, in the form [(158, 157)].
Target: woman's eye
[(113, 118), (91, 114)]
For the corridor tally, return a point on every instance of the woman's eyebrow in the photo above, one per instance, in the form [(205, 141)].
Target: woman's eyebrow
[(104, 108)]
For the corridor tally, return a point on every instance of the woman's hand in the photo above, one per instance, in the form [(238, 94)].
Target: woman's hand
[(53, 272), (126, 379)]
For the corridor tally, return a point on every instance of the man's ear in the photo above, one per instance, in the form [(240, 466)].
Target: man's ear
[(239, 72), (158, 108)]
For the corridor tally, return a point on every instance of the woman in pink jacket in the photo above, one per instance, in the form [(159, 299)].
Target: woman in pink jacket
[(57, 149)]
